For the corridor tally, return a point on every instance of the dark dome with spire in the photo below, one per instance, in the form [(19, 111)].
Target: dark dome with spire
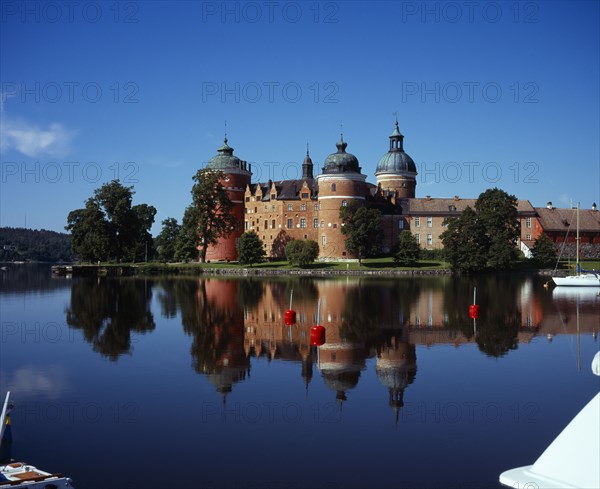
[(396, 160), (225, 160), (341, 162)]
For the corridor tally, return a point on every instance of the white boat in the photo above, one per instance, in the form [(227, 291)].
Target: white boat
[(21, 475), (572, 460), (583, 278)]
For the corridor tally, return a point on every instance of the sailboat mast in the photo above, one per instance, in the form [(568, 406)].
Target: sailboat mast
[(577, 243)]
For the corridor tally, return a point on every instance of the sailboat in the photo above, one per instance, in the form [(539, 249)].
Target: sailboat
[(20, 475), (582, 277)]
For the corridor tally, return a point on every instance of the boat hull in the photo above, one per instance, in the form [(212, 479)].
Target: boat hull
[(584, 280)]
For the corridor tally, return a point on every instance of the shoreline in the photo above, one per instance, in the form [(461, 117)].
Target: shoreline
[(191, 270)]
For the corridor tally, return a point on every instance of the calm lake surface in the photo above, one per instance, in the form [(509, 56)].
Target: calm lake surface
[(198, 383)]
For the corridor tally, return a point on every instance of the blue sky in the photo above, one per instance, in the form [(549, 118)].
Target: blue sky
[(488, 94)]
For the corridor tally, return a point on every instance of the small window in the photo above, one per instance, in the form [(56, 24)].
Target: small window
[(255, 210), (302, 207), (273, 207), (335, 225), (266, 224), (290, 223), (246, 225), (417, 222), (273, 196), (322, 224), (315, 223), (417, 237), (528, 222), (333, 187), (401, 224), (430, 222), (247, 199), (316, 207), (344, 203), (290, 207), (303, 223), (323, 240), (304, 195), (528, 237), (429, 239), (273, 224)]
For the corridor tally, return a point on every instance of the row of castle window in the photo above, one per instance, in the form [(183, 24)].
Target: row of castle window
[(429, 238)]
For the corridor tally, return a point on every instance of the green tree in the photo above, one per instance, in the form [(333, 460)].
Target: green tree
[(250, 248), (497, 212), (302, 252), (408, 251), (213, 209), (166, 240), (464, 244), (109, 227), (186, 244), (362, 228), (90, 232), (544, 251)]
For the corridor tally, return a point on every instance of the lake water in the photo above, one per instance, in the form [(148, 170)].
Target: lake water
[(198, 383)]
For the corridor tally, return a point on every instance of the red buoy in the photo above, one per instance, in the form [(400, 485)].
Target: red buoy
[(289, 317), (317, 335), (473, 311)]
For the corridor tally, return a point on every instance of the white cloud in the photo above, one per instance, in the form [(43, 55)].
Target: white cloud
[(32, 140), (49, 382)]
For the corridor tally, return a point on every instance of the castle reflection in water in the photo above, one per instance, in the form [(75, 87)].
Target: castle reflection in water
[(232, 321)]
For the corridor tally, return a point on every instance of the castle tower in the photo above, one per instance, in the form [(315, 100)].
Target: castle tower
[(340, 182), (237, 175), (396, 171)]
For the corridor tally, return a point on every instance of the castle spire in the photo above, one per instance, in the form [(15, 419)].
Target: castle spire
[(307, 166)]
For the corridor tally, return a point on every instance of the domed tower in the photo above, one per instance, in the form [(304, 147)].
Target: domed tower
[(237, 174), (396, 171), (340, 182)]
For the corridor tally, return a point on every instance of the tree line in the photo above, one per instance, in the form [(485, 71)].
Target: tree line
[(111, 228), (21, 244)]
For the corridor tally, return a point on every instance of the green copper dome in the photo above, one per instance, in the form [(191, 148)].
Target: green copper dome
[(341, 162), (225, 160), (396, 160)]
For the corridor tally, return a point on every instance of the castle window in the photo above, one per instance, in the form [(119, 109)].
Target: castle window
[(528, 222), (335, 225), (246, 225), (273, 196), (418, 238), (266, 208), (302, 223), (316, 207), (333, 187), (302, 207), (273, 224), (344, 203), (266, 224), (247, 199), (429, 222), (273, 207), (429, 239), (322, 224), (323, 240), (528, 237), (315, 223), (401, 224), (290, 223), (255, 210), (305, 195), (290, 207), (417, 222)]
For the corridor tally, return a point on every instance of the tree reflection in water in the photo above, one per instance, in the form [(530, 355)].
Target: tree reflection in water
[(211, 315), (107, 310)]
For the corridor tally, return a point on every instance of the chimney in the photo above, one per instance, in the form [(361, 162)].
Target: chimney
[(428, 197), (456, 197), (594, 207), (549, 205)]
